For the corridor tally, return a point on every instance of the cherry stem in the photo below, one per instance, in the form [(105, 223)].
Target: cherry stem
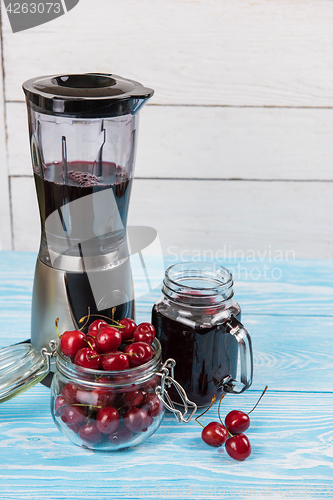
[(209, 407), (89, 344), (76, 404), (107, 353), (88, 317), (83, 404), (102, 354), (56, 325), (255, 406), (121, 407), (218, 411), (105, 317)]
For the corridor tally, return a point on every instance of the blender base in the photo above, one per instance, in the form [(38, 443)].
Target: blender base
[(69, 297), (49, 302)]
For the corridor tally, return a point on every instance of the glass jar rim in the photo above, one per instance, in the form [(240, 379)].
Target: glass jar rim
[(203, 268), (118, 378), (217, 281)]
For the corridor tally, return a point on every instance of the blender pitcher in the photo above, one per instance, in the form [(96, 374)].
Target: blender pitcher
[(83, 135)]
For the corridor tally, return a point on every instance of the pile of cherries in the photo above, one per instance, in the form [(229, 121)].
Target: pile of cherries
[(106, 347), (231, 433), (105, 412)]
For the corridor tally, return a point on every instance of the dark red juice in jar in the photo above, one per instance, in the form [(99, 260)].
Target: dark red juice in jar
[(192, 322)]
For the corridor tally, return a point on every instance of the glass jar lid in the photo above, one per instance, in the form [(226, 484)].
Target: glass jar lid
[(21, 367)]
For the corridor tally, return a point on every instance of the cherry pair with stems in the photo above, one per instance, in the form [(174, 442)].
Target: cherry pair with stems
[(231, 433)]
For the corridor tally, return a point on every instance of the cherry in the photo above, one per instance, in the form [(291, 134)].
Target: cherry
[(152, 383), (136, 420), (86, 397), (59, 403), (72, 415), (152, 405), (107, 420), (144, 331), (72, 341), (132, 398), (214, 434), (130, 326), (75, 428), (121, 435), (237, 422), (238, 447), (90, 433), (88, 358), (105, 397), (115, 361), (139, 353), (69, 393), (143, 337), (150, 420), (98, 397), (95, 325), (108, 339)]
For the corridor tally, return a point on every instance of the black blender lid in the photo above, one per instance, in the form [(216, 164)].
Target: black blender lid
[(85, 95)]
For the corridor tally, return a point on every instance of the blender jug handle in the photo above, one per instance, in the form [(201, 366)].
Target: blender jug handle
[(244, 378)]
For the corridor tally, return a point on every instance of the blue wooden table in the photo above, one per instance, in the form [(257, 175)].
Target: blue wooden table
[(290, 318)]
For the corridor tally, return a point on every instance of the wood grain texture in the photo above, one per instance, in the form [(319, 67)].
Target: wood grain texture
[(274, 53), (288, 451), (244, 143), (26, 222), (209, 215), (290, 433), (290, 320), (213, 142), (5, 222), (227, 53), (212, 216)]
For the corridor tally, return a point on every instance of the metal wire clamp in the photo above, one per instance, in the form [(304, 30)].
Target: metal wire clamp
[(162, 394)]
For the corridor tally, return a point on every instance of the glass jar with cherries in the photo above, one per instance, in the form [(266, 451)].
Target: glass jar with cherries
[(107, 410), (103, 408)]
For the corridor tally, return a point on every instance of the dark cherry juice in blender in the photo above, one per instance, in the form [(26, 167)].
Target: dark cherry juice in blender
[(56, 195)]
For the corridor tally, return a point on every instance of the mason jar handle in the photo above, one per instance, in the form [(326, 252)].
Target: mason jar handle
[(244, 378)]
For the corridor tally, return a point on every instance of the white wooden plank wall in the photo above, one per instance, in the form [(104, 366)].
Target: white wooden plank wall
[(235, 147), (6, 234)]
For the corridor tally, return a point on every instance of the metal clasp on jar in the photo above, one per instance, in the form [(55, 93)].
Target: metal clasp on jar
[(47, 355), (162, 394)]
